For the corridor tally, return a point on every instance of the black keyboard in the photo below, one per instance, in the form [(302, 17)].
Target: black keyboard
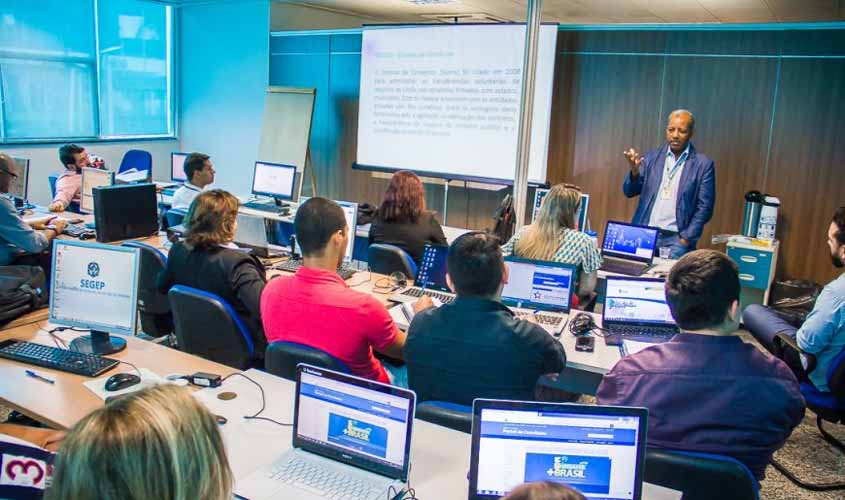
[(89, 365), (268, 207), (623, 267), (293, 266), (78, 230), (643, 333), (419, 292)]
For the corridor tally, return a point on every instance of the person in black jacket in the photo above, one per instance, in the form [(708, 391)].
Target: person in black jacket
[(402, 218), (208, 260)]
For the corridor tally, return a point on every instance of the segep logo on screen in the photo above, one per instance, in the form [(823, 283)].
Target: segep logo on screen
[(93, 272)]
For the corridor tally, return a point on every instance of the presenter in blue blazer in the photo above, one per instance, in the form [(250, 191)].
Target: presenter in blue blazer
[(676, 185)]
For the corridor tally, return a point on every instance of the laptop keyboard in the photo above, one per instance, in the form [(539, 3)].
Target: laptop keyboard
[(419, 292), (642, 331), (323, 481), (623, 267), (543, 319)]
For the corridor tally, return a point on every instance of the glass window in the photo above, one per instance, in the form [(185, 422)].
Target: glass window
[(134, 68)]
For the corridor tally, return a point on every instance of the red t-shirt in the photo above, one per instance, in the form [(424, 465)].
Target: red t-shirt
[(315, 307)]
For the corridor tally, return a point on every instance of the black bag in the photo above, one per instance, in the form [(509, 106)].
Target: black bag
[(793, 300), (504, 219), (366, 213), (22, 289)]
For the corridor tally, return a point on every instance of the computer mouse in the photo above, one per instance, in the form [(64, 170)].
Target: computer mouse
[(120, 381)]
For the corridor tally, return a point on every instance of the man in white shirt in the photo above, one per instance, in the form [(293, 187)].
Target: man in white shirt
[(200, 173), (676, 185)]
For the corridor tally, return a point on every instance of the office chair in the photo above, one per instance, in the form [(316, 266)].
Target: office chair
[(208, 327), (828, 406), (385, 259), (52, 178), (282, 357), (137, 159), (701, 476), (175, 216), (451, 415), (153, 306)]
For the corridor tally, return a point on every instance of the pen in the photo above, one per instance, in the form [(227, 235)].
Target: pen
[(30, 373)]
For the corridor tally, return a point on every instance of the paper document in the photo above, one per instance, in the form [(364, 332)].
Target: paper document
[(633, 346)]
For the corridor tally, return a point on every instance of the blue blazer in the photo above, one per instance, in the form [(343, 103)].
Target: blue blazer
[(696, 195)]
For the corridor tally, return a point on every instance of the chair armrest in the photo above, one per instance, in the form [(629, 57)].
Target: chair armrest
[(784, 342)]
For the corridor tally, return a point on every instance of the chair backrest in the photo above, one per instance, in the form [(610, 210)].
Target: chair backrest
[(153, 306), (207, 326), (451, 415), (175, 216), (836, 375), (701, 476), (385, 259), (137, 159), (282, 357), (52, 178)]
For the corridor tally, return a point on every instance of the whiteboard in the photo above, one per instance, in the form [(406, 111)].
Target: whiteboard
[(286, 129)]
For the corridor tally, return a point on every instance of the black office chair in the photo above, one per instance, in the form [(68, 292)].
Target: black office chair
[(153, 306), (701, 476), (828, 406), (175, 216), (282, 357), (451, 415), (385, 259), (208, 327)]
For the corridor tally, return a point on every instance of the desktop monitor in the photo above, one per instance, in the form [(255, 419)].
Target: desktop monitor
[(95, 287), (274, 180), (581, 216), (93, 178), (597, 450), (177, 166), (125, 211), (350, 211), (20, 184)]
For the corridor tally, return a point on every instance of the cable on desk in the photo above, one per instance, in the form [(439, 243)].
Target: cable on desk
[(263, 402), (363, 282), (130, 364), (408, 494), (583, 323)]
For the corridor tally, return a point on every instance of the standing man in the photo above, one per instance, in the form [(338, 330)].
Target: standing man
[(823, 332), (200, 173), (676, 185), (22, 243), (69, 184)]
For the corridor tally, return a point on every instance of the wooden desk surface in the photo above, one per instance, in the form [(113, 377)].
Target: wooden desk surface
[(62, 404)]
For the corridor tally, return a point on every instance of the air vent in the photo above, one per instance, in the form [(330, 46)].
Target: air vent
[(476, 17)]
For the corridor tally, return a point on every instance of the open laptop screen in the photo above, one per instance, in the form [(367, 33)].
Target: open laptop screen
[(629, 241), (538, 284), (432, 271), (353, 420), (636, 302), (597, 450)]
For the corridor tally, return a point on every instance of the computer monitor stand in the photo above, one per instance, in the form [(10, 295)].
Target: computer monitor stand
[(98, 343), (280, 203)]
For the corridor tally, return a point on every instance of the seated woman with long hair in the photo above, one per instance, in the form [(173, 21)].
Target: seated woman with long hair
[(159, 443), (555, 236), (208, 260), (402, 219)]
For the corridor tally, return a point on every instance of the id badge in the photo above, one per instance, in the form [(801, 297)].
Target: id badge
[(666, 193)]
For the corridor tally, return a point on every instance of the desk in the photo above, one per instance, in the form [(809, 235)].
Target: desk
[(439, 456), (62, 404)]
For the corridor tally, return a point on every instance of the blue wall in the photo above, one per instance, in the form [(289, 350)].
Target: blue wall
[(223, 76)]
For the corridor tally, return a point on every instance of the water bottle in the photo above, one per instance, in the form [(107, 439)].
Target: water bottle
[(751, 217)]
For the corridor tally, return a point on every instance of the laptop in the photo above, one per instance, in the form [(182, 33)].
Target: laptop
[(597, 450), (252, 234), (628, 248), (542, 289), (351, 439), (430, 279), (636, 309)]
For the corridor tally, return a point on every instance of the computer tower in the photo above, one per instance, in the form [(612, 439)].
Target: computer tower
[(125, 211)]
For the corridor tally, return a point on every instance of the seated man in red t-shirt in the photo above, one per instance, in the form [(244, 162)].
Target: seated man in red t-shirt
[(315, 307)]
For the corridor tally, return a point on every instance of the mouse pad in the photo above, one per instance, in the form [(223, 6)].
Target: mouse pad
[(98, 385)]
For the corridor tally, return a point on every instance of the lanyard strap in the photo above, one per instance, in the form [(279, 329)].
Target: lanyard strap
[(674, 170)]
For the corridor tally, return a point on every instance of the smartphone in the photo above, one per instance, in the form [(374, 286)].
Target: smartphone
[(585, 344)]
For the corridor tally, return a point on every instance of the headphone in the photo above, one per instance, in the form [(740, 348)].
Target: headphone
[(394, 281)]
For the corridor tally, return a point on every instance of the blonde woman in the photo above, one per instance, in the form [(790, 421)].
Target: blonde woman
[(555, 236), (209, 260), (156, 444)]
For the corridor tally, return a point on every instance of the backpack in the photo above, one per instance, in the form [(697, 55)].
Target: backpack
[(22, 289), (503, 220)]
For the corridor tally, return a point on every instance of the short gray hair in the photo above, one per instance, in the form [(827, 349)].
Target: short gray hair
[(683, 112)]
